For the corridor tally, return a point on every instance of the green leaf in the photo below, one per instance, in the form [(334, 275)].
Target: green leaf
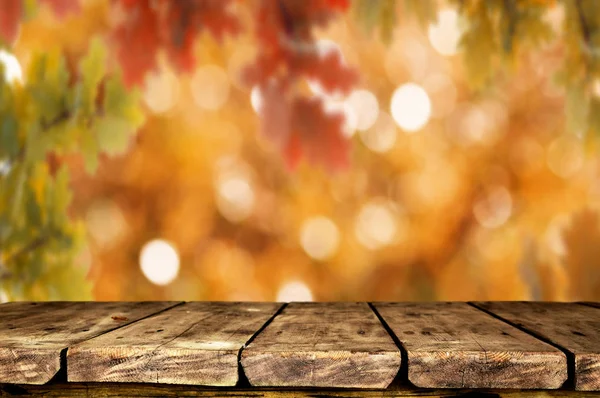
[(113, 134), (93, 69), (5, 227), (35, 265), (122, 117), (9, 141), (32, 208), (118, 101), (60, 198), (47, 86), (37, 147)]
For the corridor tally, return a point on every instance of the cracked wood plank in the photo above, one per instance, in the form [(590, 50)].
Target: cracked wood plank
[(195, 343), (33, 335), (453, 345), (323, 345), (573, 327)]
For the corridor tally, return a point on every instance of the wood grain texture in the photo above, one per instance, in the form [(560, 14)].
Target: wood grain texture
[(32, 335), (323, 345), (93, 390), (195, 343), (453, 345), (573, 327)]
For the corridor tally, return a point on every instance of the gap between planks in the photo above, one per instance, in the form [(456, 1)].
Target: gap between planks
[(323, 345), (402, 376), (242, 379), (560, 324), (199, 343), (448, 344), (36, 335), (570, 382), (62, 374)]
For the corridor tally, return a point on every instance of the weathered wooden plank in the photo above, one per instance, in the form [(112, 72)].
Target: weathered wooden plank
[(32, 335), (573, 327), (195, 343), (323, 345), (591, 303), (453, 345), (92, 390)]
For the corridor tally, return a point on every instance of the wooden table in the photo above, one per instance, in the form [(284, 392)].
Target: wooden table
[(346, 349)]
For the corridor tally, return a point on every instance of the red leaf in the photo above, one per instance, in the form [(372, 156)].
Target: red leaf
[(137, 41), (119, 318), (299, 127), (150, 27), (330, 71), (63, 7), (10, 18), (341, 5), (214, 15), (321, 134), (275, 115), (293, 152)]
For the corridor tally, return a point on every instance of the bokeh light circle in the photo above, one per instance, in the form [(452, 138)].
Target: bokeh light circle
[(319, 237), (411, 107), (11, 66), (365, 107), (294, 291), (375, 225), (159, 262), (445, 34)]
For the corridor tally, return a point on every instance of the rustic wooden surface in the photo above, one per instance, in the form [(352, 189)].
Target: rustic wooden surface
[(195, 343), (573, 327), (453, 345), (330, 349), (163, 390), (33, 335), (323, 345)]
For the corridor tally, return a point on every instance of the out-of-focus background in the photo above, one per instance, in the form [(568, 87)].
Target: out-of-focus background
[(472, 169)]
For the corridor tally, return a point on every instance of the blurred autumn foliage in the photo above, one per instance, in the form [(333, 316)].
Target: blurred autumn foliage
[(406, 150)]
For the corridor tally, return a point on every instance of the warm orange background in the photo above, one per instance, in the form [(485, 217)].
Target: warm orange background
[(491, 199)]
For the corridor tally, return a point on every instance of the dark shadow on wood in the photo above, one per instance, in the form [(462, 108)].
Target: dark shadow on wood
[(569, 384), (61, 375), (589, 304), (93, 390), (243, 381), (401, 378)]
